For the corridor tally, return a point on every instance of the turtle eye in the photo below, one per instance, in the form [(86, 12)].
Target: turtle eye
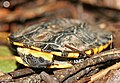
[(41, 60)]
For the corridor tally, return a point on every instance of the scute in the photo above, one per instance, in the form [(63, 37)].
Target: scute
[(66, 38)]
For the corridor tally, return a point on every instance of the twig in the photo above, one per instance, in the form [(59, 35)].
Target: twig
[(47, 78), (16, 73), (112, 51), (91, 61), (103, 72), (84, 80), (79, 74), (36, 78), (21, 72)]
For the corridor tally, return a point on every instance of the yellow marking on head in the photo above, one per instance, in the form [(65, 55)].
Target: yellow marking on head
[(35, 53), (20, 61), (46, 56)]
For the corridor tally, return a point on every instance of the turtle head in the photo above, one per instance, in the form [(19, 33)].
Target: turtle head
[(35, 59)]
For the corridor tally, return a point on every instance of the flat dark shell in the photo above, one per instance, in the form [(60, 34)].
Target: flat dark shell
[(62, 35)]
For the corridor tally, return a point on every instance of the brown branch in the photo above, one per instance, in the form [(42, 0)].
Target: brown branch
[(91, 61), (84, 80), (80, 74), (112, 51), (47, 78), (21, 72), (42, 77), (103, 72), (28, 75), (16, 73)]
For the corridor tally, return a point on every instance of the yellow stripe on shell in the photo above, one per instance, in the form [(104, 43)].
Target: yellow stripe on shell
[(69, 55), (89, 52), (22, 45), (106, 45), (98, 49), (18, 44), (95, 50)]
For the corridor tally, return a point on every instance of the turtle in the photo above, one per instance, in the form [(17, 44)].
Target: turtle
[(51, 43)]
